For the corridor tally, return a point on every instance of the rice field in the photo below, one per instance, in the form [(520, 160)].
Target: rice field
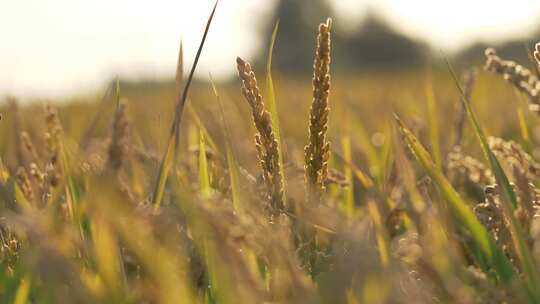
[(417, 186)]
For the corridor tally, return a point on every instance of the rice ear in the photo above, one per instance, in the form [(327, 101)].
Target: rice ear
[(317, 152), (519, 76), (265, 140), (119, 146)]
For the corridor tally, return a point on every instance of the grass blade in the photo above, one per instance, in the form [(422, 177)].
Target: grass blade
[(433, 121), (348, 202), (117, 93), (178, 82), (204, 178), (180, 68), (90, 129), (232, 164), (209, 140), (374, 157), (380, 233), (23, 292), (271, 98), (387, 158), (4, 174), (524, 129), (165, 166), (174, 136), (363, 178), (271, 103), (107, 255)]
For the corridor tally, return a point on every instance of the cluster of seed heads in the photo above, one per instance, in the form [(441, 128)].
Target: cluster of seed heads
[(517, 75), (491, 216), (527, 213), (515, 156), (461, 166), (537, 53), (53, 139)]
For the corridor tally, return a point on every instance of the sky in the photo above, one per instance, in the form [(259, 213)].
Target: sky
[(55, 48)]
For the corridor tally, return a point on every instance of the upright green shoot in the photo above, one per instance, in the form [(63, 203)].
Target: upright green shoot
[(348, 202), (172, 143), (433, 121), (232, 164), (271, 102)]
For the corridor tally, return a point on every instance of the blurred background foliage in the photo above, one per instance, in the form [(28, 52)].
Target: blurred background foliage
[(370, 44)]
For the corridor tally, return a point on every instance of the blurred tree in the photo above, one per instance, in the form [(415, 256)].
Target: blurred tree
[(295, 43), (372, 44)]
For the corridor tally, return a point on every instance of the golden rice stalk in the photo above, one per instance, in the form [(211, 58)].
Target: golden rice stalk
[(20, 156), (317, 152), (492, 217), (119, 146), (53, 137), (265, 141), (517, 75), (29, 146), (24, 183)]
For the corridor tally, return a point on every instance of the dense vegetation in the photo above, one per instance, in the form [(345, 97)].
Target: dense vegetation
[(136, 199)]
